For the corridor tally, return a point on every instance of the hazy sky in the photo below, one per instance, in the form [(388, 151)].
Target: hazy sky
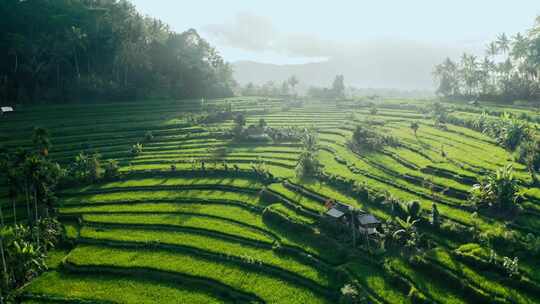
[(299, 31)]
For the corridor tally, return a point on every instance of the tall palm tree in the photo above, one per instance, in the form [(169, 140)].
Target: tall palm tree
[(293, 81), (5, 276), (33, 171), (492, 49), (503, 43), (40, 138), (520, 47), (19, 159)]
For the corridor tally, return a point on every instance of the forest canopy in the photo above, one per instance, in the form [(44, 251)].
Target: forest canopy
[(86, 50)]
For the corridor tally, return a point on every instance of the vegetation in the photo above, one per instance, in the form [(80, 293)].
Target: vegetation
[(508, 71), (258, 207), (95, 50), (270, 197)]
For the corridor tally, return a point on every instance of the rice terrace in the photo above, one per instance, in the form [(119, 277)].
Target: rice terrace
[(138, 167)]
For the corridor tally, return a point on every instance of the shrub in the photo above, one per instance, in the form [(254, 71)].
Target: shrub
[(499, 191), (528, 153), (86, 167), (111, 169), (351, 295), (136, 149), (148, 136), (365, 139)]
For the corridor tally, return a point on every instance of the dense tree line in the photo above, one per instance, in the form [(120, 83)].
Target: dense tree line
[(271, 88), (508, 71), (66, 50), (336, 91)]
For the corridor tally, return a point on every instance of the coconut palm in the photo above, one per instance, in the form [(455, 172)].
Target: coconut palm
[(492, 49), (520, 47), (40, 138), (293, 82), (503, 43), (414, 127), (32, 168)]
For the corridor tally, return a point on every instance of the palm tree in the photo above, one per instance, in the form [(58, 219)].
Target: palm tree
[(293, 81), (487, 68), (32, 171), (40, 138), (492, 49), (520, 47), (503, 43), (5, 276), (414, 127), (469, 72)]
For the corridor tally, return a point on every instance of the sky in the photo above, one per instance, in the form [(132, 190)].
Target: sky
[(303, 31)]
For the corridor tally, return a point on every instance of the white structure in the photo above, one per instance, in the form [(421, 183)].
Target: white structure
[(6, 109)]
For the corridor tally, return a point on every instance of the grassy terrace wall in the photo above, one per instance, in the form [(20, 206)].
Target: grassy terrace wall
[(224, 234)]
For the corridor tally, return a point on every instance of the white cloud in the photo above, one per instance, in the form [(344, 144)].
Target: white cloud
[(378, 63)]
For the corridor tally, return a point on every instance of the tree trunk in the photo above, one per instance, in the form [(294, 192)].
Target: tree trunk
[(77, 68), (16, 63), (533, 175), (5, 276), (14, 210), (125, 76), (58, 76), (28, 213), (36, 216), (353, 230)]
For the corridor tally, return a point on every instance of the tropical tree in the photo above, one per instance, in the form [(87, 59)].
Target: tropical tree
[(413, 209), (293, 82), (503, 43), (528, 153), (40, 138), (338, 86), (448, 76), (509, 71), (499, 191), (492, 49), (407, 235), (414, 127), (308, 164), (435, 216)]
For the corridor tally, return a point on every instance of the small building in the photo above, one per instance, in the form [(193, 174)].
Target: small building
[(368, 224), (338, 210), (6, 109)]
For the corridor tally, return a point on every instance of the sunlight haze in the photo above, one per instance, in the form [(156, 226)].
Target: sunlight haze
[(298, 32)]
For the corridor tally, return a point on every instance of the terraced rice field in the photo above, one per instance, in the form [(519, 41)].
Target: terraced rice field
[(194, 236)]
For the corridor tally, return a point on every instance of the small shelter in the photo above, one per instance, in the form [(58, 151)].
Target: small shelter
[(367, 224), (6, 109), (337, 210)]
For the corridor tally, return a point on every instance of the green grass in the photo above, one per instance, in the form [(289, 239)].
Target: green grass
[(183, 221), (111, 128), (97, 287), (373, 279), (250, 254), (486, 281), (432, 287), (270, 289)]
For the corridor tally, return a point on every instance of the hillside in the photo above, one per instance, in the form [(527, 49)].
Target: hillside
[(202, 215)]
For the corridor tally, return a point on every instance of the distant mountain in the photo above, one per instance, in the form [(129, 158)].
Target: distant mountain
[(383, 73)]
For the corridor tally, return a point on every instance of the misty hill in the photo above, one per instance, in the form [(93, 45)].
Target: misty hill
[(403, 75)]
